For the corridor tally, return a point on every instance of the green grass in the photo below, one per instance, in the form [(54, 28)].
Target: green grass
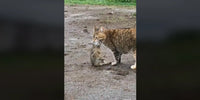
[(102, 2)]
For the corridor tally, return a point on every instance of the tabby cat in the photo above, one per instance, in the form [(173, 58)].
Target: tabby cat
[(120, 41)]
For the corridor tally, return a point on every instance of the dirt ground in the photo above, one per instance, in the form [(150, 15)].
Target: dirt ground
[(82, 81)]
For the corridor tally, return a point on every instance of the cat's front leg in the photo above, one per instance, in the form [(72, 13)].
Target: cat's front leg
[(117, 58)]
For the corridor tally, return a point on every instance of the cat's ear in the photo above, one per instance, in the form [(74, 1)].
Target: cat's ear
[(102, 29), (95, 28)]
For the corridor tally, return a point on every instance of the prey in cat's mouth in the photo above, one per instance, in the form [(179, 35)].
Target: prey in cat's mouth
[(96, 57)]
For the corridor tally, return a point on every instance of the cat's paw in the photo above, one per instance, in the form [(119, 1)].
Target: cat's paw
[(114, 63), (133, 67)]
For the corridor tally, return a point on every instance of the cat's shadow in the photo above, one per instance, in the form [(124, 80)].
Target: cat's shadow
[(120, 69)]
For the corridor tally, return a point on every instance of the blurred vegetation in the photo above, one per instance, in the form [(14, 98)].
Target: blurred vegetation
[(102, 2), (134, 14)]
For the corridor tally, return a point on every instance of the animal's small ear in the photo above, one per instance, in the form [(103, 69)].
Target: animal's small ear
[(102, 29)]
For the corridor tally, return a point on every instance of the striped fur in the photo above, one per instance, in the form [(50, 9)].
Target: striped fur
[(120, 41)]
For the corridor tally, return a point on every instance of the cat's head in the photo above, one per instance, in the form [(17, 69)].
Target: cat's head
[(98, 35)]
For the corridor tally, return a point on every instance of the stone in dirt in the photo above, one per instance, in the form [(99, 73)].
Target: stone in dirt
[(85, 30), (110, 13)]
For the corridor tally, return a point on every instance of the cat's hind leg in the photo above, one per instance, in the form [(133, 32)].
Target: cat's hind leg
[(134, 65)]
